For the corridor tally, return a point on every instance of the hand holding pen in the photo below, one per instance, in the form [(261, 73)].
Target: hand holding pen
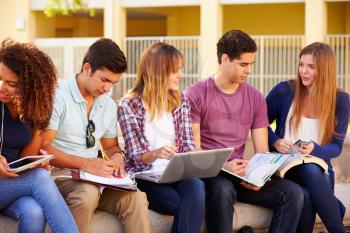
[(118, 162)]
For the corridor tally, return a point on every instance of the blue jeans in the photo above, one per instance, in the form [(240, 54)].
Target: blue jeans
[(185, 200), (318, 198), (283, 196), (33, 199)]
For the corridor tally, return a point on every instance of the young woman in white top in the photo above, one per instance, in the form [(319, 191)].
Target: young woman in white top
[(155, 122), (311, 108)]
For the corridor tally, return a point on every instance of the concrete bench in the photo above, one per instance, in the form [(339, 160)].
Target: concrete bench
[(257, 217)]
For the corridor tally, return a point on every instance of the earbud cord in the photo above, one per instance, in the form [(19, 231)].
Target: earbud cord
[(2, 126)]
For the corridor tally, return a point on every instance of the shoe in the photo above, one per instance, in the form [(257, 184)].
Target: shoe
[(246, 229)]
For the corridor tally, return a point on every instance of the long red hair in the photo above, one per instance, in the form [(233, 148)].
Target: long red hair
[(322, 93)]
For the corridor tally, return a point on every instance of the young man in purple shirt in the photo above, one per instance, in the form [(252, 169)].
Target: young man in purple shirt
[(223, 109)]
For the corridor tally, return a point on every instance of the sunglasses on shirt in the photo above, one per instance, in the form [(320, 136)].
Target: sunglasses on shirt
[(90, 139)]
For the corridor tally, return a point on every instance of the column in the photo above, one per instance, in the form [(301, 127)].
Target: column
[(210, 31), (114, 22), (315, 21)]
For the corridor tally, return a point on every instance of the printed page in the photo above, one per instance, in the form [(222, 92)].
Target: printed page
[(114, 181), (262, 166), (292, 158)]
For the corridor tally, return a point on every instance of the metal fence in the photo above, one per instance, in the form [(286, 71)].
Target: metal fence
[(188, 45), (341, 46), (66, 53), (276, 60)]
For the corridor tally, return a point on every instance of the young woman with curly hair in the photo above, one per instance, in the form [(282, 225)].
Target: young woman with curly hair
[(27, 84), (311, 108)]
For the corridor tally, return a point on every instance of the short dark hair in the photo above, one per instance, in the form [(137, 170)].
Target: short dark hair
[(234, 43), (105, 54)]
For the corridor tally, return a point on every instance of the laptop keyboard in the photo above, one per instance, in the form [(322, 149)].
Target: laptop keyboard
[(154, 176)]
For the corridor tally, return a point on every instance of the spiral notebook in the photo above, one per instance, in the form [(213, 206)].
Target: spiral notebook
[(126, 183)]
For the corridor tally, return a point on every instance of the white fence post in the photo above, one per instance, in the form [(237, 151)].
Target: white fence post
[(276, 59), (261, 64), (340, 44), (188, 45)]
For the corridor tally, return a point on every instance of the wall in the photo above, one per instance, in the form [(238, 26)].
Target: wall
[(168, 21), (9, 12), (146, 27), (338, 19), (68, 26), (265, 19), (184, 21)]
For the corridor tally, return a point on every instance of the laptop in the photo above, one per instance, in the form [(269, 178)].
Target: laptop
[(200, 164)]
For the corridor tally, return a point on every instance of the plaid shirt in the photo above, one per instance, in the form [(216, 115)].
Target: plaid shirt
[(131, 117)]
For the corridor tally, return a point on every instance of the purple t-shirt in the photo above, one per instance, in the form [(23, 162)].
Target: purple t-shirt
[(225, 119)]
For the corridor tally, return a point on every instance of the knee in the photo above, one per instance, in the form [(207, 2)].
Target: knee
[(311, 170), (42, 180), (138, 200), (32, 212), (86, 199), (194, 187), (41, 176)]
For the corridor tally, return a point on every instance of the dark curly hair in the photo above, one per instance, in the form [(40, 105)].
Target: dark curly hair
[(234, 43), (37, 82)]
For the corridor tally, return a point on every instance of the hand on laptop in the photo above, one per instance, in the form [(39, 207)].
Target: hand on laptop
[(166, 152), (237, 166)]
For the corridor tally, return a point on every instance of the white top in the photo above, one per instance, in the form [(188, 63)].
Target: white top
[(308, 130), (160, 132)]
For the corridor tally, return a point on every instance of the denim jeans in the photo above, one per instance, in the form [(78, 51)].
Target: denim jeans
[(33, 199), (185, 200), (318, 198), (283, 196)]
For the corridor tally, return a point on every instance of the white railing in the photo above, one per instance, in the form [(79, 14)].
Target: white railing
[(66, 53), (276, 60), (188, 45), (341, 46)]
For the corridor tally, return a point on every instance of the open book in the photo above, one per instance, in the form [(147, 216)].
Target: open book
[(261, 167), (298, 159), (126, 183)]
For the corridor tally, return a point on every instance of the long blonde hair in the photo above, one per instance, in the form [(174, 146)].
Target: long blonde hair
[(157, 62), (322, 94)]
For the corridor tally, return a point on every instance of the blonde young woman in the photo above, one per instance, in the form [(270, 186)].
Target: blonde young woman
[(312, 108), (155, 122)]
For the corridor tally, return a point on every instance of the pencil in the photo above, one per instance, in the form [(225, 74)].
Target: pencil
[(104, 155)]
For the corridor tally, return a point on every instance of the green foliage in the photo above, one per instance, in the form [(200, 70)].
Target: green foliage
[(66, 7)]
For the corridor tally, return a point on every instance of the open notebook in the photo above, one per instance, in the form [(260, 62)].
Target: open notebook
[(126, 183)]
